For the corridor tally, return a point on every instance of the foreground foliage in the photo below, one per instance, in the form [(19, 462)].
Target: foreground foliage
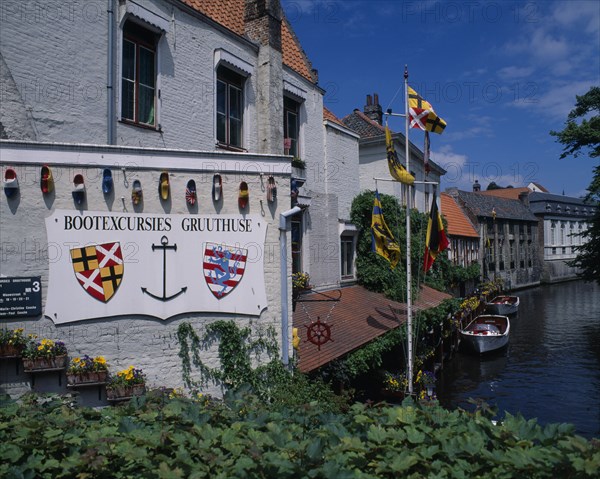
[(161, 437)]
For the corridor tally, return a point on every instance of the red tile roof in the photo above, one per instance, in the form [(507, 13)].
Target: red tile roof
[(230, 14), (508, 193), (458, 223), (359, 317), (330, 116)]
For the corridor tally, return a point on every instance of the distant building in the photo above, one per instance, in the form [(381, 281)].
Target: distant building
[(373, 157), (562, 220), (508, 236)]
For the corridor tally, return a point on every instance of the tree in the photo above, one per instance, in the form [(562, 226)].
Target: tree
[(585, 136), (578, 139)]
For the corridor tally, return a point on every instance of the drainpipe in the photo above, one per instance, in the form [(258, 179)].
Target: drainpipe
[(285, 340), (110, 93)]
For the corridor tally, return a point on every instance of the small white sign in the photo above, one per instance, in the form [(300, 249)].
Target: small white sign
[(113, 264)]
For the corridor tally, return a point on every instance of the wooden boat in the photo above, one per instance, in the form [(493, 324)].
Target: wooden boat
[(486, 333), (503, 305)]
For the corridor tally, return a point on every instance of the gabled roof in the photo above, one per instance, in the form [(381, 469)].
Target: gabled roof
[(369, 129), (539, 187), (358, 318), (231, 13), (363, 125), (483, 205), (458, 223), (510, 193), (330, 116)]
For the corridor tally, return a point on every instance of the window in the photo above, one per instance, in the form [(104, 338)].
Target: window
[(138, 80), (230, 107), (291, 127), (347, 256), (296, 224)]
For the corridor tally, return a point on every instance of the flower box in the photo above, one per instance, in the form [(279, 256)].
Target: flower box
[(120, 393), (10, 351), (88, 377), (43, 364)]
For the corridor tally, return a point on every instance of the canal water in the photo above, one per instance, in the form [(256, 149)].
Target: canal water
[(551, 367)]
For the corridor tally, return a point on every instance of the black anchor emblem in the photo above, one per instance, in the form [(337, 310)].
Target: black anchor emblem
[(164, 245)]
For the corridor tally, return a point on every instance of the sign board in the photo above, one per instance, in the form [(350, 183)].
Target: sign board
[(20, 297), (106, 264)]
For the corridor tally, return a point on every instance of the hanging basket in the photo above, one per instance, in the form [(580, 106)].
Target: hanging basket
[(121, 393), (40, 364), (88, 377)]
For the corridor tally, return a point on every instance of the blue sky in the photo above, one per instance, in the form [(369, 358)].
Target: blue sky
[(501, 73)]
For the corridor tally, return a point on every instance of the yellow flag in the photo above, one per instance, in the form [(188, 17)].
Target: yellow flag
[(397, 170), (383, 242)]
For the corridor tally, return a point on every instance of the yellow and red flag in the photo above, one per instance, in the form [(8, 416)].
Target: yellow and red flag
[(436, 240), (421, 114)]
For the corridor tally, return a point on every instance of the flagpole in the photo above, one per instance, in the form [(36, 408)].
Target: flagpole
[(410, 372)]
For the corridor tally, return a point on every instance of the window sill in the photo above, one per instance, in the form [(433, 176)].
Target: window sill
[(141, 125), (225, 146)]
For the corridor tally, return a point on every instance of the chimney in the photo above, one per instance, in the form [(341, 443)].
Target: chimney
[(262, 23), (373, 109), (524, 198), (476, 187)]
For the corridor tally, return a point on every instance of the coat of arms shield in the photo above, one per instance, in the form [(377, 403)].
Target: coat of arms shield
[(99, 269), (224, 267)]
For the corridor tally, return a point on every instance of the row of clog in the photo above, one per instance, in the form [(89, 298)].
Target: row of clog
[(11, 186)]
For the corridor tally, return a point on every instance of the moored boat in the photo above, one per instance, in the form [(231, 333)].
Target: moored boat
[(486, 333), (503, 305)]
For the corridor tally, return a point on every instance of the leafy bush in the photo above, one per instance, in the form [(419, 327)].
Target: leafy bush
[(155, 436)]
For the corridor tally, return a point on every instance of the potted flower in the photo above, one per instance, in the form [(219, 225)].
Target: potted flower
[(12, 342), (44, 354), (126, 384), (427, 380), (394, 384), (87, 370)]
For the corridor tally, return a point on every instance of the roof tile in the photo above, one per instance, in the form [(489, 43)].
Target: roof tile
[(359, 317), (458, 223), (231, 13)]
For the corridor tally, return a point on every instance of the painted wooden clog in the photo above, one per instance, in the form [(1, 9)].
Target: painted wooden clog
[(190, 193), (107, 181), (163, 186), (136, 192), (46, 180), (217, 188), (11, 183), (78, 189), (244, 195), (271, 190)]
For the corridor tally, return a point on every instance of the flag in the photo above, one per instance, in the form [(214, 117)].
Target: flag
[(421, 114), (436, 240), (397, 170), (426, 153), (383, 242)]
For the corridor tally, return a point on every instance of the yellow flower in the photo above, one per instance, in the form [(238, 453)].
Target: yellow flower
[(100, 360)]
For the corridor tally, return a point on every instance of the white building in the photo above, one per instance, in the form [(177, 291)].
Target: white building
[(373, 157), (193, 89)]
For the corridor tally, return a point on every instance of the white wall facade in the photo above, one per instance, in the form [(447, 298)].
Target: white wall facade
[(54, 90)]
